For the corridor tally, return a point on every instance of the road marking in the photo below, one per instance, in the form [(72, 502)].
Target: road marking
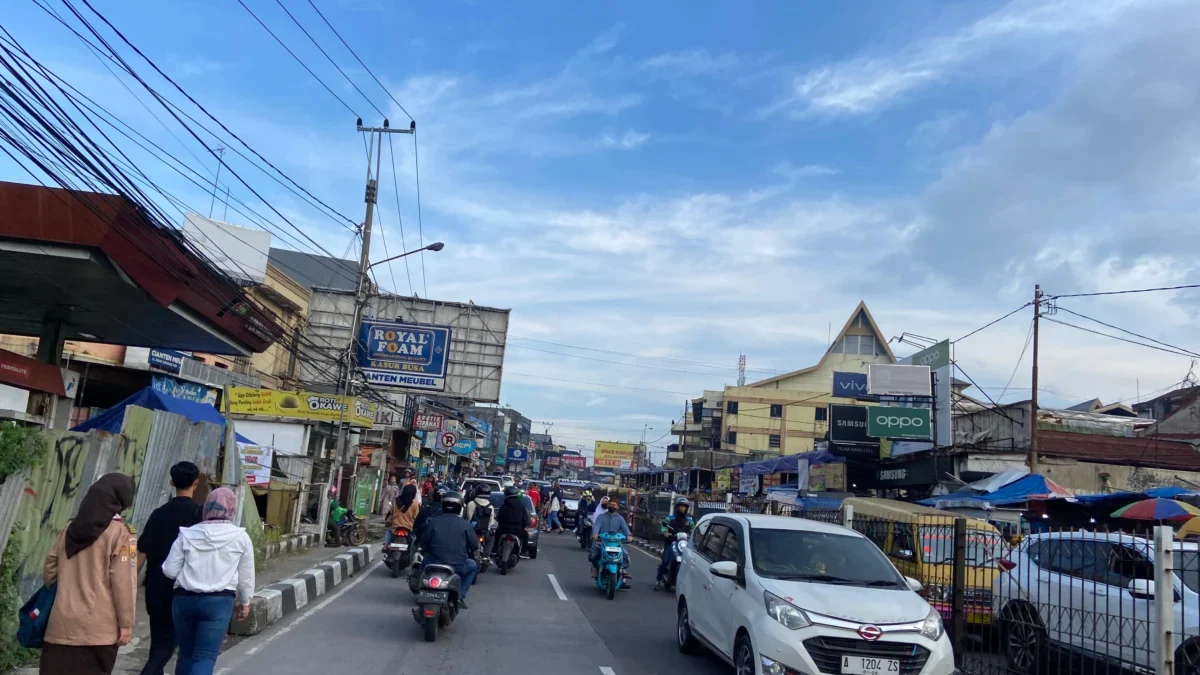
[(303, 617), (646, 553), (557, 589), (605, 670)]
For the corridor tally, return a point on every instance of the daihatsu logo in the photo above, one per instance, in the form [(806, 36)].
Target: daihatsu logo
[(870, 633)]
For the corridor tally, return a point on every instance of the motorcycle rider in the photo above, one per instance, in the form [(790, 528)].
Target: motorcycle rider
[(679, 521), (583, 510), (479, 512), (448, 539), (513, 517), (608, 522), (338, 515), (428, 511)]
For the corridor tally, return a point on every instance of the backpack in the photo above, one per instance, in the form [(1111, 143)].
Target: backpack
[(482, 514), (34, 615)]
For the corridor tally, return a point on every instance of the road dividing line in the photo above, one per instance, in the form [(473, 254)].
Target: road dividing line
[(557, 589), (605, 670), (644, 552)]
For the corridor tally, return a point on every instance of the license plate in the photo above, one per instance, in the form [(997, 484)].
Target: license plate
[(434, 597), (612, 549), (397, 547), (864, 665)]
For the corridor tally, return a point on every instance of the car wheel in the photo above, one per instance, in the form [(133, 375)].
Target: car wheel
[(743, 657), (683, 632), (1024, 641), (1187, 658)]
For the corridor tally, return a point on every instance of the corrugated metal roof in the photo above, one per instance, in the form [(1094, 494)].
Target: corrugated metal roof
[(1149, 452)]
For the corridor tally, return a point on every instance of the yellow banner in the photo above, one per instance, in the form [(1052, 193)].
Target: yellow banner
[(300, 405), (611, 455)]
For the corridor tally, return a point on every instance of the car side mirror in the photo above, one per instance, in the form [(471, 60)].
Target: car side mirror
[(913, 585), (1141, 588), (726, 568)]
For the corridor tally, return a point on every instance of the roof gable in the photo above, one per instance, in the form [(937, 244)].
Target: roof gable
[(874, 328)]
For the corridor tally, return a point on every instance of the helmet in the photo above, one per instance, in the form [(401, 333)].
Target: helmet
[(510, 491), (681, 500), (483, 490), (587, 494), (452, 502), (439, 493)]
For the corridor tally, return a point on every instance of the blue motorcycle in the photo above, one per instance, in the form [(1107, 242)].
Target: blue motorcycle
[(612, 558)]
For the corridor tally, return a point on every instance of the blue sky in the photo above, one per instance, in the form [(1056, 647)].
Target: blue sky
[(696, 180)]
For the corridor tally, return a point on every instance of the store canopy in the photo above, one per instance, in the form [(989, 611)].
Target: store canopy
[(787, 463), (1152, 493), (1004, 489), (112, 419)]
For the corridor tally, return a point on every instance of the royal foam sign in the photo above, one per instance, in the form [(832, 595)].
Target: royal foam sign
[(405, 355), (898, 422)]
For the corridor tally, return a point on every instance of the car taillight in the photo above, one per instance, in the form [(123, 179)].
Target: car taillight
[(435, 582), (1006, 564)]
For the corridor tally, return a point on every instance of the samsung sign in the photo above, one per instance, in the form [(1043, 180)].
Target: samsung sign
[(848, 424)]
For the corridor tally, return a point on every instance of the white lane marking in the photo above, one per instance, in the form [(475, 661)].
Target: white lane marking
[(605, 670), (303, 617), (557, 589), (646, 553)]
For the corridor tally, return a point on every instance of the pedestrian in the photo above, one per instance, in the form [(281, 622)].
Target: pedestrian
[(212, 564), (410, 480), (554, 505), (387, 497), (154, 544), (94, 563), (535, 496)]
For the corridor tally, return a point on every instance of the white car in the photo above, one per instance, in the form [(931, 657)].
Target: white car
[(1093, 594), (774, 595)]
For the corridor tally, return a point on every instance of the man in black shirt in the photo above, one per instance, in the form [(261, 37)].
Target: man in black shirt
[(448, 539), (153, 546)]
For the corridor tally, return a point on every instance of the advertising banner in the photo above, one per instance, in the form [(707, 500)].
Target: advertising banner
[(165, 359), (892, 380), (428, 421), (848, 424), (553, 461), (464, 446), (849, 385), (574, 462), (835, 477), (485, 430), (517, 454), (902, 473), (748, 485), (256, 463), (898, 422), (188, 391), (408, 355), (721, 481), (301, 406), (611, 455), (937, 356), (816, 477)]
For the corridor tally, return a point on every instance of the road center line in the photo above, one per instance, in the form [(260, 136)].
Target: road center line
[(557, 589), (605, 670), (644, 552)]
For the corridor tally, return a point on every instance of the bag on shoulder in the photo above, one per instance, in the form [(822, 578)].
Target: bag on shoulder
[(34, 615)]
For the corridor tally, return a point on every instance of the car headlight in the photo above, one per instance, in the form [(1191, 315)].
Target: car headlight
[(939, 593), (931, 627), (785, 612)]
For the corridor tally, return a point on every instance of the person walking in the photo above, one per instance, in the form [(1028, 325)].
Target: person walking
[(387, 497), (157, 537), (553, 506), (94, 563), (212, 564)]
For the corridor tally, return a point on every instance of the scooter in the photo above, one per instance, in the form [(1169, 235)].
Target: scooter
[(482, 557), (396, 555), (675, 551), (508, 552), (585, 532), (437, 599), (414, 573), (612, 559)]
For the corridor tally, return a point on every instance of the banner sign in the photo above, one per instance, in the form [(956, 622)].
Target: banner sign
[(553, 460), (428, 421), (256, 463), (848, 424), (302, 405), (188, 391), (898, 422), (517, 454), (166, 359), (408, 355), (937, 356), (464, 446), (611, 455), (26, 373), (857, 452), (748, 485), (888, 380), (849, 385), (574, 462), (835, 477), (921, 471)]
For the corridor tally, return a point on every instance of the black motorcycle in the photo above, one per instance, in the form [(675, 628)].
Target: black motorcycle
[(508, 552), (481, 555), (585, 533), (398, 555), (437, 599), (674, 555)]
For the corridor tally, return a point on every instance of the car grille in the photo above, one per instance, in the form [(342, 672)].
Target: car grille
[(826, 653)]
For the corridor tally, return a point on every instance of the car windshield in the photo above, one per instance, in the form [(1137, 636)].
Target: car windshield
[(983, 548), (1187, 568), (821, 557), (571, 493)]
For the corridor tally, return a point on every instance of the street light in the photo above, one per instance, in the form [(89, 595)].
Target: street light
[(436, 246)]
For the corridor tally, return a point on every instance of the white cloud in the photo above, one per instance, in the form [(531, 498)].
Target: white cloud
[(193, 67), (691, 62), (793, 173), (628, 141)]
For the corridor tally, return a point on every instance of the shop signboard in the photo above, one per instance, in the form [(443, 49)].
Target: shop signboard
[(188, 391), (517, 454), (835, 476), (407, 355), (610, 455), (848, 424), (256, 463), (574, 462), (857, 452), (850, 385), (464, 446), (722, 479), (428, 421), (553, 461), (816, 477), (748, 485), (301, 405), (907, 473), (895, 422), (363, 492), (165, 359), (935, 357), (885, 379)]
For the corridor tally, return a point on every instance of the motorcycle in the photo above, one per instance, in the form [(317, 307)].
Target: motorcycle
[(352, 531), (675, 553), (612, 559), (482, 557), (437, 599), (585, 532), (414, 574), (508, 552), (396, 555)]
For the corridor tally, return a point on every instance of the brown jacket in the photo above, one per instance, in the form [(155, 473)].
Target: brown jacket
[(97, 589), (404, 519)]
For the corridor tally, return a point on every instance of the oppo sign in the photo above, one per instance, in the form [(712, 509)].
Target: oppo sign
[(889, 422)]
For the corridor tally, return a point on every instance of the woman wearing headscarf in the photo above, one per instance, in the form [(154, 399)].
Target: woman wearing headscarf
[(212, 564), (94, 562), (406, 509)]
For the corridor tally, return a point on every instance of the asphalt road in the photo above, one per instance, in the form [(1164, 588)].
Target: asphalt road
[(518, 622)]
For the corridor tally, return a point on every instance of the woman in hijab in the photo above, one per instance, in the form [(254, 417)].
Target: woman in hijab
[(406, 509), (212, 564), (94, 563)]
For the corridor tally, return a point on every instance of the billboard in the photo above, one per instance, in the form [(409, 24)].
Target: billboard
[(611, 455), (849, 385), (300, 405), (517, 454), (237, 251), (938, 359), (889, 380), (473, 355), (428, 421), (894, 422), (574, 462), (407, 355), (848, 424)]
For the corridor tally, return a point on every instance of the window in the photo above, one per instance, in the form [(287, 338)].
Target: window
[(821, 414), (730, 549), (850, 344), (1080, 559), (866, 345), (731, 437), (697, 539), (846, 560), (714, 542), (1123, 565), (731, 407), (773, 441), (776, 410), (903, 543)]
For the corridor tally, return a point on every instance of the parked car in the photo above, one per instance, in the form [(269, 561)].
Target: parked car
[(1092, 594), (531, 546), (780, 596)]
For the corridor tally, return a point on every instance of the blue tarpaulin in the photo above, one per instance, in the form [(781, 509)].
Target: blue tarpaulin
[(1158, 492), (787, 463), (1027, 488), (111, 419)]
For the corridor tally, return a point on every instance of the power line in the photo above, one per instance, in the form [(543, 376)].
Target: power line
[(598, 384), (1136, 290), (1123, 330), (640, 356), (420, 225), (399, 215), (992, 323), (1028, 339), (1115, 337)]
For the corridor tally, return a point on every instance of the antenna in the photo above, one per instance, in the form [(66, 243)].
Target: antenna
[(742, 370)]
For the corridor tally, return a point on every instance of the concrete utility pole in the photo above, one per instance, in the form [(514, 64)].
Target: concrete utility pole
[(1033, 403)]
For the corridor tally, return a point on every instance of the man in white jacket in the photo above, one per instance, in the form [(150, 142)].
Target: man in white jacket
[(212, 564)]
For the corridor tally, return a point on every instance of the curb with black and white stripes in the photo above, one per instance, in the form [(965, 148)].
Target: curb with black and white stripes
[(278, 600), (299, 542)]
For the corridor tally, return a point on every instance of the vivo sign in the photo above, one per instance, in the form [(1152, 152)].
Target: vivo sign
[(849, 385)]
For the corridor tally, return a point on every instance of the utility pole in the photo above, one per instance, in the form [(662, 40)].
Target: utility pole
[(1033, 403)]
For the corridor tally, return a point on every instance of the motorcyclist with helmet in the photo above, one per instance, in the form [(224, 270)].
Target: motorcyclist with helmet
[(448, 539), (513, 517), (679, 521), (479, 513), (432, 508), (608, 522), (584, 510)]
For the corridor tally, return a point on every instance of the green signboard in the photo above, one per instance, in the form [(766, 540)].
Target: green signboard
[(897, 422), (937, 356), (363, 492)]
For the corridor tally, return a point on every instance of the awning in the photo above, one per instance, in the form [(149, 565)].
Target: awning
[(112, 419), (787, 463), (26, 373), (1005, 489)]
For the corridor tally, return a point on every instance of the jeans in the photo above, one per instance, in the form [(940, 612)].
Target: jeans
[(162, 627), (465, 571), (389, 535), (201, 622), (554, 522)]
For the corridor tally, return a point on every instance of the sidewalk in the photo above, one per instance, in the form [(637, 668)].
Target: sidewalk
[(132, 656)]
